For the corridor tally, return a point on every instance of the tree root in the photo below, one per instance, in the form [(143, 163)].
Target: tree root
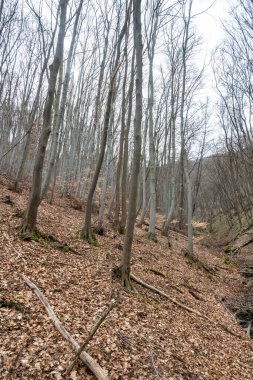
[(91, 363)]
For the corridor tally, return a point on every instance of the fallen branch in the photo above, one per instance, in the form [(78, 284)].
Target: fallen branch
[(248, 331), (89, 337), (91, 363), (182, 306), (155, 370), (237, 249)]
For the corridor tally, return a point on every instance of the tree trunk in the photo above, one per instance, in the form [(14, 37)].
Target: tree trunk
[(121, 142), (152, 158), (86, 232), (126, 143), (144, 164), (126, 265), (60, 115), (34, 199), (184, 169), (189, 205)]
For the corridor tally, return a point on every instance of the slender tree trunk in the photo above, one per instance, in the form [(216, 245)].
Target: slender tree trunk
[(29, 221), (121, 143), (126, 265), (173, 163), (61, 112), (189, 206), (184, 169), (86, 232), (144, 167), (151, 42), (107, 174), (152, 161), (33, 113), (126, 143)]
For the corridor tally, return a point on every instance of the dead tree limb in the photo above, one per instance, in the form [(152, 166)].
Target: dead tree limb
[(237, 249), (182, 306), (248, 331), (89, 337), (91, 363)]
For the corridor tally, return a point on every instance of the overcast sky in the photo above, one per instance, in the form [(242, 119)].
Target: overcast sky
[(209, 26), (209, 23)]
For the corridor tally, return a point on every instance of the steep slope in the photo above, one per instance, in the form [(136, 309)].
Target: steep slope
[(145, 336)]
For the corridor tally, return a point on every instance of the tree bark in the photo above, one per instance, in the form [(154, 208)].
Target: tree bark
[(86, 232), (60, 115), (126, 143), (121, 143), (29, 221), (126, 265)]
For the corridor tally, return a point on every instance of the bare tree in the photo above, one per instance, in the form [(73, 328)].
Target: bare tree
[(29, 221), (126, 266), (86, 231)]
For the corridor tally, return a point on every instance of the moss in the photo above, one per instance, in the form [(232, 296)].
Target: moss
[(152, 303), (46, 264), (100, 231), (176, 288), (11, 305), (116, 273), (19, 213), (232, 263), (51, 238), (61, 317), (43, 244), (157, 272), (34, 235), (133, 288), (73, 281), (200, 265), (65, 248), (247, 275), (91, 239), (152, 237), (189, 256), (228, 249), (121, 230)]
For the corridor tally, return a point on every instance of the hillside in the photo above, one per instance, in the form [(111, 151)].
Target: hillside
[(145, 336)]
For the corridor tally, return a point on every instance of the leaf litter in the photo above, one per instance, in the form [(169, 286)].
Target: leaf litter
[(145, 336)]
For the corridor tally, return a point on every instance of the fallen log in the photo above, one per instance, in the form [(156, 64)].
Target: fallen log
[(91, 363), (238, 248), (181, 305)]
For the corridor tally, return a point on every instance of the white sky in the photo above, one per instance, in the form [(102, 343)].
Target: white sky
[(209, 26), (209, 23)]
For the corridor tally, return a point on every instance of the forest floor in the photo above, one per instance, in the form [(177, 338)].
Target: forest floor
[(145, 336)]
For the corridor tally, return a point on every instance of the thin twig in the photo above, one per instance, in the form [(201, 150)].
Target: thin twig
[(90, 336), (157, 375)]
